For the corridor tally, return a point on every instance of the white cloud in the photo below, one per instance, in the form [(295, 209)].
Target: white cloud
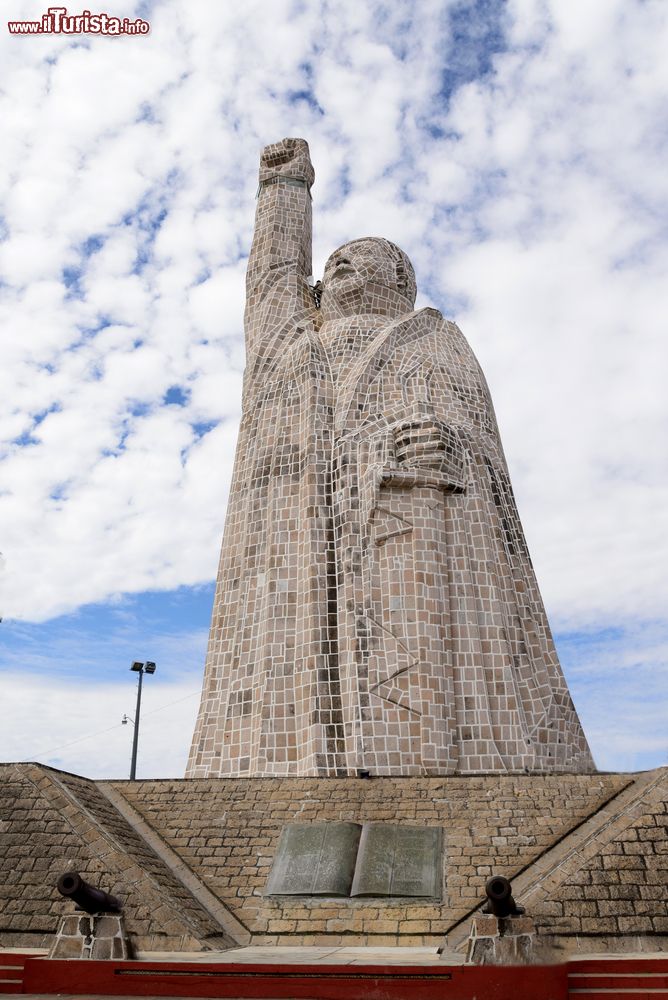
[(77, 727)]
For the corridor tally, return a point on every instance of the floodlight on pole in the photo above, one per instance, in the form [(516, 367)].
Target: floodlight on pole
[(138, 668)]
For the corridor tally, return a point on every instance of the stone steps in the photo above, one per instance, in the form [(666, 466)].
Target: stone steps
[(628, 979), (12, 966)]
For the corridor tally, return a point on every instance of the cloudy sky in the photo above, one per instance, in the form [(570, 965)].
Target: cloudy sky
[(516, 150)]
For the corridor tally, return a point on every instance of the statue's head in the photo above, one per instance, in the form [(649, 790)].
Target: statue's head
[(369, 275)]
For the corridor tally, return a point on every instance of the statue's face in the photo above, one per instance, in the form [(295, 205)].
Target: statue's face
[(354, 266)]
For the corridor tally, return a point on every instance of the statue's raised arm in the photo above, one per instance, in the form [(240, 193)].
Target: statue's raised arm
[(279, 266)]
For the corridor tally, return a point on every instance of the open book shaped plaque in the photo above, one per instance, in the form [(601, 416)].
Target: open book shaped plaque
[(351, 859)]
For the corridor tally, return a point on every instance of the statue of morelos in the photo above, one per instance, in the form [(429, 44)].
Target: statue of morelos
[(376, 606)]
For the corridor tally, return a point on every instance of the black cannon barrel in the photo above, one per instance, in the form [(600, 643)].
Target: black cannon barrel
[(86, 896), (500, 900)]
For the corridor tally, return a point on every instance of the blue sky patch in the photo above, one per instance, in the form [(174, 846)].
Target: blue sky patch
[(477, 35), (176, 396), (102, 640), (200, 429)]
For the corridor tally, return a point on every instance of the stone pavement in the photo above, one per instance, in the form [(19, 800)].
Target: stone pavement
[(311, 956)]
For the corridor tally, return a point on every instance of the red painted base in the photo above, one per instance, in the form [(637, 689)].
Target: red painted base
[(584, 979), (282, 982)]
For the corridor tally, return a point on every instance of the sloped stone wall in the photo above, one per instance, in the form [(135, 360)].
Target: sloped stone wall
[(618, 899), (54, 822)]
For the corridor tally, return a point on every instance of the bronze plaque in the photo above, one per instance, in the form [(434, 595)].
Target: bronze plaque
[(398, 861), (315, 859)]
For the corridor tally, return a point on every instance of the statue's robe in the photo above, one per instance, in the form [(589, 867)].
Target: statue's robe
[(376, 605), (446, 658)]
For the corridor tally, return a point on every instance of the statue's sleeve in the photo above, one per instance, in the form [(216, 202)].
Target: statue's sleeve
[(280, 258)]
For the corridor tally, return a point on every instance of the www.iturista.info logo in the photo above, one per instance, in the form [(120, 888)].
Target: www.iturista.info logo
[(57, 21)]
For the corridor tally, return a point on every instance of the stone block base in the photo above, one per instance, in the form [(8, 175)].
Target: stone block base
[(85, 935), (192, 859), (501, 941)]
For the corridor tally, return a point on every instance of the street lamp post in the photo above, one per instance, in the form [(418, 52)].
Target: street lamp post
[(139, 668)]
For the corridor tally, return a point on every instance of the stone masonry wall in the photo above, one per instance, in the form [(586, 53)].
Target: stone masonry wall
[(227, 830), (587, 855)]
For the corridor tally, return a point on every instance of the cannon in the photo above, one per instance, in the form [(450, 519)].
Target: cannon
[(86, 896), (500, 900)]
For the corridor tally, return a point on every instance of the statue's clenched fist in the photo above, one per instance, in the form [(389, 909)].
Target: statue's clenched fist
[(287, 158)]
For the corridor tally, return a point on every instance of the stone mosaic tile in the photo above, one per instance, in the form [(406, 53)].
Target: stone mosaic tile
[(376, 607)]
